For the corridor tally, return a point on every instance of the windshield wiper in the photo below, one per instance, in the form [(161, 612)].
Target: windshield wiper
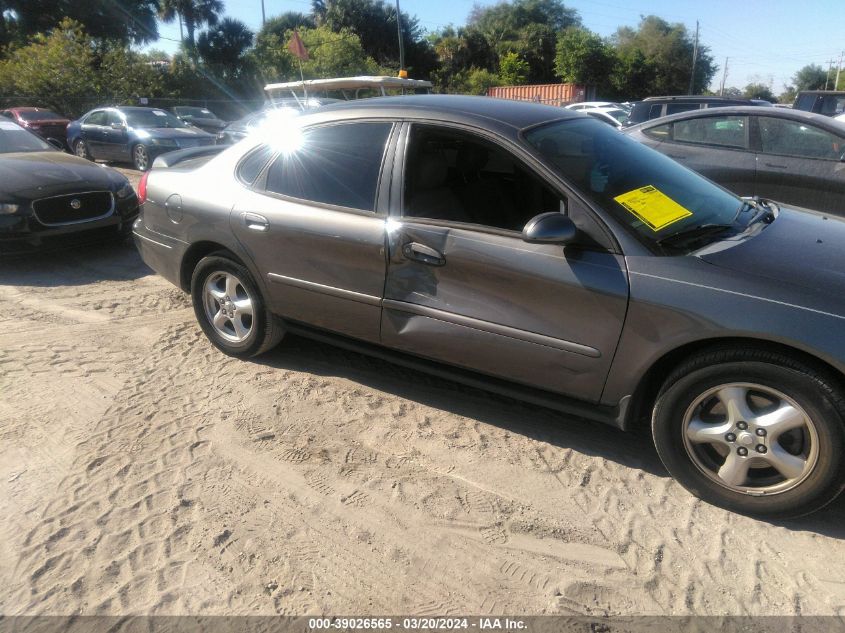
[(693, 233)]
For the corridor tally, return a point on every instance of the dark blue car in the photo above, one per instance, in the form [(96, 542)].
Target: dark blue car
[(129, 134)]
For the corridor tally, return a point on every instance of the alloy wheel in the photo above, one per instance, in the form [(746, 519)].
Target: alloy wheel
[(750, 438), (228, 306)]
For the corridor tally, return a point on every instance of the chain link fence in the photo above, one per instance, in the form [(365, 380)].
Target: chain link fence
[(226, 109)]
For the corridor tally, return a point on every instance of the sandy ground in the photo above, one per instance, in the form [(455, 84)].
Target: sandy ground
[(142, 472)]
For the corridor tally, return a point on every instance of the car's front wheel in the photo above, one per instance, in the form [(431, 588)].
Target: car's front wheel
[(230, 309), (141, 157), (754, 432)]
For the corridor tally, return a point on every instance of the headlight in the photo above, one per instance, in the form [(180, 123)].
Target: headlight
[(125, 191), (8, 209)]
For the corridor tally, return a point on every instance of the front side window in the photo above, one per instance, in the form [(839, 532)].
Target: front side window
[(335, 164), (647, 192), (724, 131), (794, 138), (456, 176)]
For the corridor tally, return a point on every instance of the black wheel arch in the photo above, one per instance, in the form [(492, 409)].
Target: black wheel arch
[(638, 414), (197, 250)]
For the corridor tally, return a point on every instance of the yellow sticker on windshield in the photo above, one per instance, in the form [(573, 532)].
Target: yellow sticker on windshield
[(653, 207)]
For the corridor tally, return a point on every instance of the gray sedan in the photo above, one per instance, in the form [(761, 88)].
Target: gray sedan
[(537, 253), (787, 155)]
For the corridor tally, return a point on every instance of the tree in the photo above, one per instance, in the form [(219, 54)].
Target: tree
[(527, 27), (195, 13), (288, 21), (330, 55), (664, 59), (374, 22), (458, 50), (513, 70), (758, 91), (223, 48), (584, 58), (123, 21), (810, 77), (56, 70)]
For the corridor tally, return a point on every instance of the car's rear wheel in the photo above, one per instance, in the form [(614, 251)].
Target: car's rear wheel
[(141, 157), (754, 432), (80, 148), (230, 309)]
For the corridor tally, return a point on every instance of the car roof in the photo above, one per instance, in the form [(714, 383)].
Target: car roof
[(693, 98), (480, 110), (778, 113)]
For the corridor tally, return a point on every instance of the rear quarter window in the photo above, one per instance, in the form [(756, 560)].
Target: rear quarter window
[(250, 166)]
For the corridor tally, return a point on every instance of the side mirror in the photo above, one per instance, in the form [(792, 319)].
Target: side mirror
[(117, 125), (550, 228)]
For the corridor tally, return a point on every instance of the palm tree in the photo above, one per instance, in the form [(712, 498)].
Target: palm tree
[(195, 13), (222, 47)]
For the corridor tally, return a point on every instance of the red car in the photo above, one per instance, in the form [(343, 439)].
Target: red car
[(45, 123)]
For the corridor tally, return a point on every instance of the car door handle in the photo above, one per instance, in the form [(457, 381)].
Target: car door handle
[(255, 222), (776, 166), (422, 253)]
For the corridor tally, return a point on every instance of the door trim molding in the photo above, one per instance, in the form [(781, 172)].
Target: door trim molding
[(492, 328), (340, 293)]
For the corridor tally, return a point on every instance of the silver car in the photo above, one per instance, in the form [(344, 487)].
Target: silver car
[(534, 252)]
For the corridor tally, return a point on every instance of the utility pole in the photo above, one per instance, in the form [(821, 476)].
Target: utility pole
[(724, 77), (694, 58), (263, 16), (829, 68), (402, 72), (181, 34), (838, 68)]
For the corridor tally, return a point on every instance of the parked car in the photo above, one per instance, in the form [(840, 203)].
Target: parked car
[(537, 253), (203, 118), (131, 134), (45, 123), (790, 156), (50, 199), (826, 102), (592, 105), (240, 129), (656, 107), (614, 117)]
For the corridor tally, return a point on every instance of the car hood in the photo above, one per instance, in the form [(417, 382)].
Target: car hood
[(801, 248), (172, 132), (31, 175)]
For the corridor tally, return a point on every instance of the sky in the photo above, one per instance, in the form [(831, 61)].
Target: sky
[(765, 41)]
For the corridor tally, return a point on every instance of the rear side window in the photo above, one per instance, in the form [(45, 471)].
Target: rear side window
[(252, 165), (674, 108), (832, 105), (336, 164), (724, 131), (793, 138), (805, 102), (97, 118)]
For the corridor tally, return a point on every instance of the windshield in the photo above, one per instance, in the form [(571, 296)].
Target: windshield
[(14, 138), (152, 119), (199, 113), (39, 115), (648, 192)]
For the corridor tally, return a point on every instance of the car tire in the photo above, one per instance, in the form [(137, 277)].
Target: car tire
[(230, 308), (80, 148), (141, 157), (756, 432)]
